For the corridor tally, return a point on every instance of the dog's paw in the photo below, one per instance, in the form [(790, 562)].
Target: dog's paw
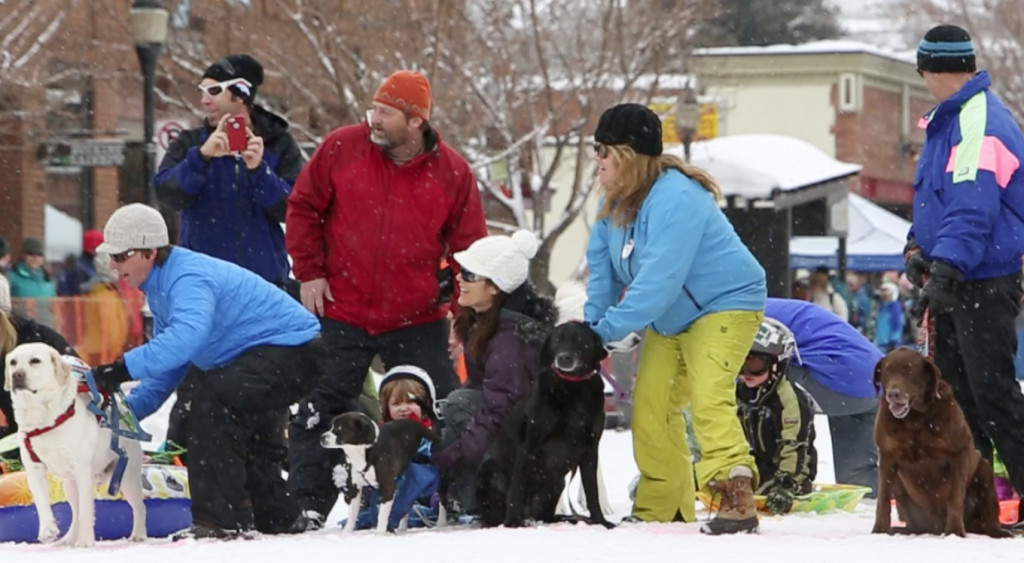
[(48, 532), (879, 529), (138, 538), (604, 523)]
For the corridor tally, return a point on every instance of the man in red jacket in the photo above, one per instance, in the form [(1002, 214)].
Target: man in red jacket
[(370, 218)]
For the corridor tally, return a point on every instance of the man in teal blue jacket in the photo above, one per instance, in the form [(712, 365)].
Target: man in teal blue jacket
[(257, 349), (965, 245)]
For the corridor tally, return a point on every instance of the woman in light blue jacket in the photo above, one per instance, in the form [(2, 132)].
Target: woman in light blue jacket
[(664, 259)]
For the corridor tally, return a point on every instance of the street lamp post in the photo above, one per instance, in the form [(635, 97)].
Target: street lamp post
[(687, 119), (149, 30)]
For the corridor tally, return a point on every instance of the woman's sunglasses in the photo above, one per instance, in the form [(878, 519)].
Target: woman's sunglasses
[(470, 277), (120, 258), (756, 366), (601, 150), (217, 88)]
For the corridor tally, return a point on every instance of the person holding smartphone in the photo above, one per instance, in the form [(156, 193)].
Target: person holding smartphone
[(230, 187), (232, 199)]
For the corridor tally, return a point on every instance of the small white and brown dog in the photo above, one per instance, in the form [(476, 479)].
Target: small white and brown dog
[(378, 456), (59, 434)]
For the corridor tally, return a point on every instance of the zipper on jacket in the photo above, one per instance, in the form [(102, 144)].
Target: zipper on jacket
[(238, 214), (696, 304)]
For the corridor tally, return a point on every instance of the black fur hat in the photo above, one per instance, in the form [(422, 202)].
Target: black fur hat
[(237, 66), (630, 124), (946, 48)]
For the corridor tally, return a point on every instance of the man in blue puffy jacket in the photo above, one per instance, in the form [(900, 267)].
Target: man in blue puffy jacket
[(964, 247), (256, 349), (232, 204)]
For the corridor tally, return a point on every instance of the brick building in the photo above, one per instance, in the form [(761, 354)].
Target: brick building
[(78, 80)]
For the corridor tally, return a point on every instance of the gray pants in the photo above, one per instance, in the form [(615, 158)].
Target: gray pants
[(459, 409), (851, 422)]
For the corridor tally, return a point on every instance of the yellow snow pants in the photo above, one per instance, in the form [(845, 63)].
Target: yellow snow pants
[(696, 368)]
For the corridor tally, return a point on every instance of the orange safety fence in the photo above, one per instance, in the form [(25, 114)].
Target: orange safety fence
[(101, 325)]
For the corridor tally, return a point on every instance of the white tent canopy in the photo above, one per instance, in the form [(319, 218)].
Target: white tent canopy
[(875, 241), (63, 234)]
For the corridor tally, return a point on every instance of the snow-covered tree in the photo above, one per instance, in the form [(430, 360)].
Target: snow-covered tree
[(768, 22), (538, 73)]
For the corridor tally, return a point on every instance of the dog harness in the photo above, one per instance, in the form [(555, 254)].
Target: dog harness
[(82, 388)]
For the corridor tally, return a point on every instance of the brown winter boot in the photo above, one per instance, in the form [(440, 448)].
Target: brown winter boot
[(737, 512)]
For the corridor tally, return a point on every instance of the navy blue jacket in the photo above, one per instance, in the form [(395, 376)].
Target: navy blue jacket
[(227, 211)]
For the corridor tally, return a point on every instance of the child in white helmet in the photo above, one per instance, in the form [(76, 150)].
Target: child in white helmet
[(407, 392)]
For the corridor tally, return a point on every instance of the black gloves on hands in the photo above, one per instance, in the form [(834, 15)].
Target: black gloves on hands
[(916, 267), (110, 376), (941, 287), (780, 493), (446, 284)]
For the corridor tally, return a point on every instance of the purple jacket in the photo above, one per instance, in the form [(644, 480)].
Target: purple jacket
[(504, 376)]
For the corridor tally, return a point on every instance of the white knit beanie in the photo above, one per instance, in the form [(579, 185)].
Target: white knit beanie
[(502, 259), (135, 225)]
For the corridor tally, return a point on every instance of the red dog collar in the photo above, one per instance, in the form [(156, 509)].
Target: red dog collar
[(572, 378)]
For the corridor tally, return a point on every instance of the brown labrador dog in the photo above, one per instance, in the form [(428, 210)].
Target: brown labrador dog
[(927, 458)]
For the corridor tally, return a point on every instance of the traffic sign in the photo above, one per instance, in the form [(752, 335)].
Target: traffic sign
[(166, 131), (97, 152)]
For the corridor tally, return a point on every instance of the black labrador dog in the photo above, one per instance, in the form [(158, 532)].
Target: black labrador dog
[(555, 429)]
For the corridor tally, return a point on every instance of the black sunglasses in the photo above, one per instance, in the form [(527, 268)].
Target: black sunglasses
[(120, 258), (470, 277), (756, 366), (601, 150)]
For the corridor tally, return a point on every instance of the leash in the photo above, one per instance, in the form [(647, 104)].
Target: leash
[(620, 392), (129, 428)]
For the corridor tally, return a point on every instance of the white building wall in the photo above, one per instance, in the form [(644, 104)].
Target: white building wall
[(571, 246), (803, 111)]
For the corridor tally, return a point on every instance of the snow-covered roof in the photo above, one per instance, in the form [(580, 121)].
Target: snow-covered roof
[(754, 166), (813, 48)]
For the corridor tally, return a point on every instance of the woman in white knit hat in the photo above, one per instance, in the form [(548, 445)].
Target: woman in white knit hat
[(502, 324)]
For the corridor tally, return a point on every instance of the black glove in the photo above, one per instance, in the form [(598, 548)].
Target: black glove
[(110, 376), (940, 289), (916, 267), (780, 494), (446, 284)]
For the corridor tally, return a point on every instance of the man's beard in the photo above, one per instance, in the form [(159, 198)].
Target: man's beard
[(382, 139)]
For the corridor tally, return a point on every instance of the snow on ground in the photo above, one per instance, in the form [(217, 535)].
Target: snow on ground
[(835, 537)]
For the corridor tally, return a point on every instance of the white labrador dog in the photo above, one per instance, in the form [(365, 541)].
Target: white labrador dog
[(60, 435)]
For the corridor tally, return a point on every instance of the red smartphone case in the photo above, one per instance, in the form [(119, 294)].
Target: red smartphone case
[(235, 126)]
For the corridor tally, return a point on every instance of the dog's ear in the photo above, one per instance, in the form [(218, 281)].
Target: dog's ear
[(60, 368), (932, 374), (877, 378)]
